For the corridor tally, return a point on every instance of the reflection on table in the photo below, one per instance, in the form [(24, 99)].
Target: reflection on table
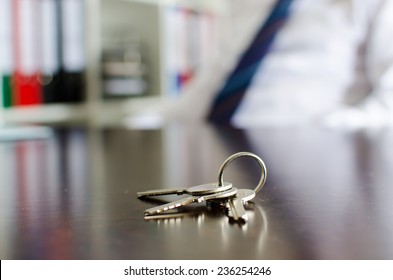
[(73, 195)]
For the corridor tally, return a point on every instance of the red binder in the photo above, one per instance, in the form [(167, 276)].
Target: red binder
[(27, 90)]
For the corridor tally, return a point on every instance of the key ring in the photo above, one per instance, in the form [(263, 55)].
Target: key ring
[(262, 180)]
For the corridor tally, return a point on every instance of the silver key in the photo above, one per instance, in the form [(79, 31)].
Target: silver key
[(236, 208), (194, 191), (191, 199)]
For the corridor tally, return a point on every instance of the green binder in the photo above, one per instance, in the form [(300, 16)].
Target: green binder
[(6, 91)]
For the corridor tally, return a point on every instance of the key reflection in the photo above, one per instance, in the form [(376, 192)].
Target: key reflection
[(207, 221)]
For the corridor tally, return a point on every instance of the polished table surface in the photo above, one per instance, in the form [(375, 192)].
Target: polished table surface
[(328, 195)]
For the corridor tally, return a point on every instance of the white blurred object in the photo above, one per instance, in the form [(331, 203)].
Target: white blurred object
[(148, 120), (367, 115)]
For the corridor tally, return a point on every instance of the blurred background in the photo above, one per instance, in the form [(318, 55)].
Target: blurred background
[(73, 61), (101, 61)]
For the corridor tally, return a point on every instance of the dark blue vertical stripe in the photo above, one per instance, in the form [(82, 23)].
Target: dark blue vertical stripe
[(240, 78)]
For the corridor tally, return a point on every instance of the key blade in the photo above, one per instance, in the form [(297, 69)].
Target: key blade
[(235, 214), (159, 192), (237, 211), (171, 205)]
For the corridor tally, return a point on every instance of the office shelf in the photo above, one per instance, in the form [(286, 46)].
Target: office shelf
[(106, 18), (46, 114)]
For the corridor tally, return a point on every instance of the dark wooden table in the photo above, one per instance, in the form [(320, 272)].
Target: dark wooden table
[(329, 194)]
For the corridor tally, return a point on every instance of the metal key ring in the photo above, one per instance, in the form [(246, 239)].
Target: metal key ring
[(262, 180)]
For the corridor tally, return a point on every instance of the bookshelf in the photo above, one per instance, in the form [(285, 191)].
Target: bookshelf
[(105, 21)]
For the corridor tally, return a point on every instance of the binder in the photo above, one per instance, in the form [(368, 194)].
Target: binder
[(188, 42), (27, 90), (72, 50), (191, 44), (207, 37), (171, 50), (183, 66), (6, 88), (6, 54), (177, 47), (50, 79)]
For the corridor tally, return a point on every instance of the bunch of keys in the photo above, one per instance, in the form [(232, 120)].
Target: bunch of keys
[(222, 194)]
